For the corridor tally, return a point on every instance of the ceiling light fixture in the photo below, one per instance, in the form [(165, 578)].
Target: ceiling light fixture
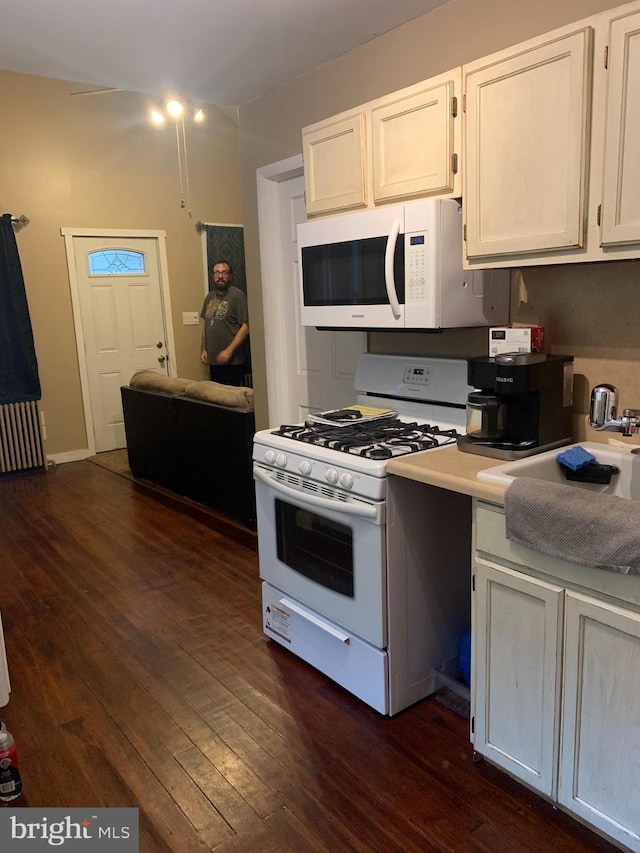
[(175, 110)]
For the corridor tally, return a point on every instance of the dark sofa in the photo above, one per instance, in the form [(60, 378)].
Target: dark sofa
[(194, 447)]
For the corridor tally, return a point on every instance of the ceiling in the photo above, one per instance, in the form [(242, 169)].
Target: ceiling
[(220, 51)]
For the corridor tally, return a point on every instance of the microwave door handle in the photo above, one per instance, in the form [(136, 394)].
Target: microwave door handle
[(388, 269)]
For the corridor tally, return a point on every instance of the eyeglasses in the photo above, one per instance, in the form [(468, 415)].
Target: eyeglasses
[(220, 274)]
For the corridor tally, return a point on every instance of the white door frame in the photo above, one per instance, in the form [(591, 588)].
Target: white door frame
[(163, 269), (269, 223)]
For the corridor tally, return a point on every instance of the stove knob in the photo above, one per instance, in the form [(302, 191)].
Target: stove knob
[(281, 460), (332, 476), (305, 467), (269, 456), (346, 480)]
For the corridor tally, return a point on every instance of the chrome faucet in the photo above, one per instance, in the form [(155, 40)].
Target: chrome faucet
[(603, 411)]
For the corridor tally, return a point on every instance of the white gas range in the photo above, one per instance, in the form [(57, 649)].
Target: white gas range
[(333, 592)]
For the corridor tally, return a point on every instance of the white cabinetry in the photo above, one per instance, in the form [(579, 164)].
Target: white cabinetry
[(334, 154), (526, 137), (517, 635), (552, 146), (621, 195), (412, 141), (556, 677), (600, 765), (396, 148)]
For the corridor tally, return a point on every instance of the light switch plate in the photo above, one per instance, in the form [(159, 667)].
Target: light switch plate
[(190, 318)]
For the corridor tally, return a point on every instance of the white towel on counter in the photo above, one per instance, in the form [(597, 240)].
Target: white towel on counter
[(581, 526)]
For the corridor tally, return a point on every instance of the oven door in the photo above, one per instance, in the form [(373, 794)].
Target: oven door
[(325, 549)]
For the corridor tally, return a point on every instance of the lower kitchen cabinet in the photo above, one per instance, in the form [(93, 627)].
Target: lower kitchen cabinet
[(556, 679), (600, 761), (517, 636)]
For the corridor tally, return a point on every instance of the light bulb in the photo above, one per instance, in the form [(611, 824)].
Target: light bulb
[(174, 108), (198, 115), (157, 117)]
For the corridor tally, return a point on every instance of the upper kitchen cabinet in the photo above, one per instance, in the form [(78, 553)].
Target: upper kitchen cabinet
[(621, 194), (413, 141), (397, 148), (552, 147), (335, 157), (526, 147)]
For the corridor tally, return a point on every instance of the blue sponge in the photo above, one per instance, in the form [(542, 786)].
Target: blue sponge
[(575, 457)]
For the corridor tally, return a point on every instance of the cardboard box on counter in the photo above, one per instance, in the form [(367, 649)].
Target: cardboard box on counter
[(518, 339)]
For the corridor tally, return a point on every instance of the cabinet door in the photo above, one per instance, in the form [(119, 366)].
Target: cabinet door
[(515, 643), (621, 196), (412, 144), (600, 764), (527, 123), (334, 154)]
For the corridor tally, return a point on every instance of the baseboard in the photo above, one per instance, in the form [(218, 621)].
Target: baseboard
[(68, 456)]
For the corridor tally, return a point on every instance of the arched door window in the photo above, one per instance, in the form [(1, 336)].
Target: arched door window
[(117, 262)]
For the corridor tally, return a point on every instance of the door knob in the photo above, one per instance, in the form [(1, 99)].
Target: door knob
[(162, 359)]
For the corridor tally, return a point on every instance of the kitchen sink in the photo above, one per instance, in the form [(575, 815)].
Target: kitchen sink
[(544, 466)]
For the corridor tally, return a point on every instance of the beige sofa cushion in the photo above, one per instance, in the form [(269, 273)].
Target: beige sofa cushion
[(150, 380), (224, 395)]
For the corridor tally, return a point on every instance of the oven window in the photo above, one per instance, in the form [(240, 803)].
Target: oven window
[(319, 549)]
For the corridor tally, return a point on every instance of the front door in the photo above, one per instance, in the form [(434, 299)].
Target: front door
[(123, 326)]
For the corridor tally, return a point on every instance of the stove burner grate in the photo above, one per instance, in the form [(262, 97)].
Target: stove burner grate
[(373, 440)]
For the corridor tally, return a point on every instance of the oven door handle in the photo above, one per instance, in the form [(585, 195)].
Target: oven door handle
[(329, 629), (363, 510)]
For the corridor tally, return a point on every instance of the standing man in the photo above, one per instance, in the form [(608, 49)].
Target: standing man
[(226, 328)]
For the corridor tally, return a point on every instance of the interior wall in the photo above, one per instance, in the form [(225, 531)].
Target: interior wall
[(96, 161), (569, 299)]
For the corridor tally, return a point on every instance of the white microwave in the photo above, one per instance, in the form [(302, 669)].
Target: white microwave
[(398, 267)]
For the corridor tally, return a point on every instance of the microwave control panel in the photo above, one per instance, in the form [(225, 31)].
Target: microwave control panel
[(415, 267)]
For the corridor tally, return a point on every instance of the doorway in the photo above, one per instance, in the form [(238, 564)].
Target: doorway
[(307, 370), (122, 318)]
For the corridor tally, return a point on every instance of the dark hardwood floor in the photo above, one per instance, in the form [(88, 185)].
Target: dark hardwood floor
[(141, 677)]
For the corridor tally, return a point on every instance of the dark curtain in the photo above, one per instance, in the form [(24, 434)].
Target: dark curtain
[(19, 381), (226, 242)]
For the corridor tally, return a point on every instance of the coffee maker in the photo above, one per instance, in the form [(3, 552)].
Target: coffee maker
[(522, 404)]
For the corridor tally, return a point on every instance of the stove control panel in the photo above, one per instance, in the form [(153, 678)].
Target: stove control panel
[(417, 374), (328, 468), (321, 471)]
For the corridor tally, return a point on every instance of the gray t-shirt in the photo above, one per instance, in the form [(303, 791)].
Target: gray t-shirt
[(223, 316)]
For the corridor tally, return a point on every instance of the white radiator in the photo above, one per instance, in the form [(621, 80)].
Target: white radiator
[(20, 437)]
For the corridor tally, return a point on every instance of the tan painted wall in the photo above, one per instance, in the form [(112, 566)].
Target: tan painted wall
[(591, 310), (97, 162)]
